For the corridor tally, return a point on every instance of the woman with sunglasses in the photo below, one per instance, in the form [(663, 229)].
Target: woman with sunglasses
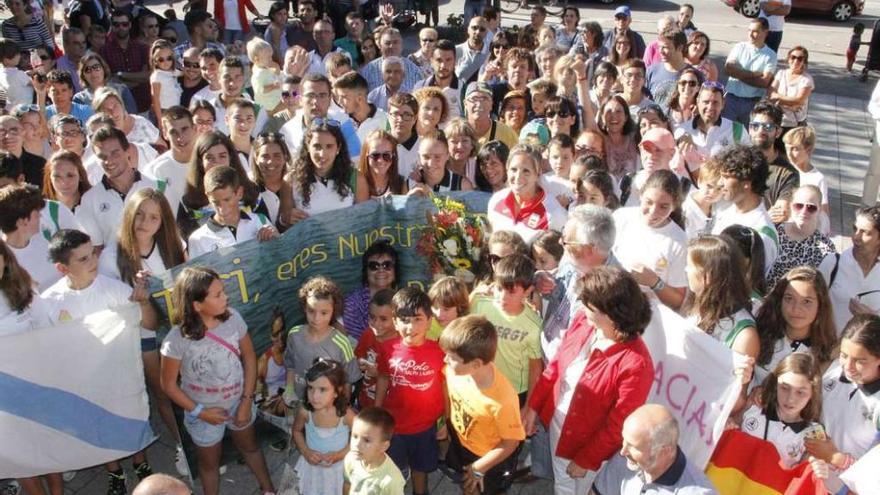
[(854, 275), (378, 165), (497, 49), (801, 242), (422, 57), (683, 100), (322, 176), (696, 53), (791, 89), (380, 269), (94, 73), (561, 115)]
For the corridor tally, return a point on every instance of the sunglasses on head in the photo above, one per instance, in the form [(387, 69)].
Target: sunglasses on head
[(809, 207), (375, 266), (376, 156), (764, 126)]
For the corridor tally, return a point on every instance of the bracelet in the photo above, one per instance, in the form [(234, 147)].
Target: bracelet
[(196, 411), (658, 285), (476, 473)]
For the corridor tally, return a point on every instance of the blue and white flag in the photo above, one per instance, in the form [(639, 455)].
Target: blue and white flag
[(73, 395)]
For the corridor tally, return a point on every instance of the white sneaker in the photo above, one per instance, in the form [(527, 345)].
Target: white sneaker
[(11, 488), (180, 462), (222, 469), (68, 476)]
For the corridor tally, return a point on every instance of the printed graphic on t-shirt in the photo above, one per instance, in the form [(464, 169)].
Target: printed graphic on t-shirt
[(408, 373), (461, 419)]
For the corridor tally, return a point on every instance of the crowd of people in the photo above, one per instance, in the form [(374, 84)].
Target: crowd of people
[(622, 175)]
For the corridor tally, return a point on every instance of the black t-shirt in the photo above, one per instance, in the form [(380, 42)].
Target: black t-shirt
[(782, 181), (187, 93), (79, 8), (33, 166)]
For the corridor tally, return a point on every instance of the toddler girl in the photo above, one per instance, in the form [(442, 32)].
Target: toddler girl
[(264, 77), (321, 430), (165, 91), (211, 351)]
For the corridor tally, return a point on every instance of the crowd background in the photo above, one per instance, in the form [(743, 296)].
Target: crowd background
[(325, 178)]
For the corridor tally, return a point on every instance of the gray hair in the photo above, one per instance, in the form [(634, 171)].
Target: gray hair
[(548, 48), (664, 434), (392, 61), (594, 225), (665, 21)]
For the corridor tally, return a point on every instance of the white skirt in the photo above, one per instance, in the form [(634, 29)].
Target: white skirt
[(319, 480)]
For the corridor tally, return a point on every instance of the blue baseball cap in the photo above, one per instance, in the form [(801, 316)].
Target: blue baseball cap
[(622, 10)]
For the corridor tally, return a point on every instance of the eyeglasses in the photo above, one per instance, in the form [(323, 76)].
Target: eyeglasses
[(375, 266), (121, 23), (289, 94), (319, 121), (562, 114), (764, 126), (405, 116), (688, 82), (713, 85), (809, 207), (376, 156), (428, 40), (191, 65), (70, 134)]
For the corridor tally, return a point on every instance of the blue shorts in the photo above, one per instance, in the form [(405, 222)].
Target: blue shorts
[(149, 344), (205, 434), (417, 451)]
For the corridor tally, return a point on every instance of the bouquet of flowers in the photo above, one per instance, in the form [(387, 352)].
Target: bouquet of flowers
[(453, 240)]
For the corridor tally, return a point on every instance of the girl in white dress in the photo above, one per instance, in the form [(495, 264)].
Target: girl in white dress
[(322, 428)]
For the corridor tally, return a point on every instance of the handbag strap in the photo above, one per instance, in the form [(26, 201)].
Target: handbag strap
[(221, 341)]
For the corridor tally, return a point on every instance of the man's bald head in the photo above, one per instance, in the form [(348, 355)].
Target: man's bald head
[(161, 484), (657, 422)]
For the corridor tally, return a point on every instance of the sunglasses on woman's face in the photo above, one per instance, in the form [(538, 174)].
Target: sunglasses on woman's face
[(796, 58), (164, 59), (375, 266), (92, 68), (562, 114), (810, 207), (688, 82), (376, 156)]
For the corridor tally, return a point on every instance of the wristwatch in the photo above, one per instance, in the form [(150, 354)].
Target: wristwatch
[(659, 285)]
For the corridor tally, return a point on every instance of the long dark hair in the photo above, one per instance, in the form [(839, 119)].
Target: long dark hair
[(16, 283), (491, 149), (668, 182), (726, 290), (303, 174), (752, 248), (801, 364), (771, 322), (192, 286), (167, 238), (336, 376), (194, 196)]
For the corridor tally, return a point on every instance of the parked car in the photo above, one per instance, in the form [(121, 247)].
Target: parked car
[(839, 10)]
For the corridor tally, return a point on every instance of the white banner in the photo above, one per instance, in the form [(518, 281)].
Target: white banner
[(72, 396), (693, 377), (862, 477)]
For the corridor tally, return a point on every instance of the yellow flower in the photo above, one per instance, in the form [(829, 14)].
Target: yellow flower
[(461, 263)]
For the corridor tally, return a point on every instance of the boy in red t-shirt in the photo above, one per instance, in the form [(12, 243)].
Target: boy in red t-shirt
[(381, 329), (411, 374)]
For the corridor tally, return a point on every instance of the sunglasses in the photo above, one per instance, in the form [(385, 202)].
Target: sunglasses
[(318, 121), (375, 266), (428, 40), (376, 156), (173, 41), (503, 47), (164, 59), (809, 207), (289, 94), (562, 114), (797, 58), (764, 126), (693, 83), (191, 65)]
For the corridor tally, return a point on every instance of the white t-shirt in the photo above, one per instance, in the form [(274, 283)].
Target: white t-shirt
[(695, 221), (56, 216), (13, 322), (378, 119), (173, 172), (848, 283), (17, 84), (212, 236), (849, 412), (757, 219), (230, 15), (145, 155), (210, 374), (667, 255), (170, 90), (721, 135), (788, 438), (63, 304), (776, 22), (500, 219), (144, 131), (815, 178), (100, 211), (322, 198), (35, 259), (153, 263), (786, 87)]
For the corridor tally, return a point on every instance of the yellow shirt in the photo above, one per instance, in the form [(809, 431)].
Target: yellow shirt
[(503, 133), (482, 418)]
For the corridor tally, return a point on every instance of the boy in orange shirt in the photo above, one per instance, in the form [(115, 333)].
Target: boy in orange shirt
[(486, 431)]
